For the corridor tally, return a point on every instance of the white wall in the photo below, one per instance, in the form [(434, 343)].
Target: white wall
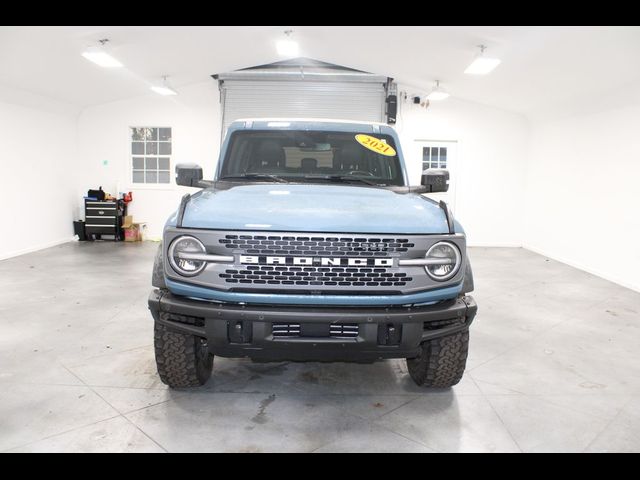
[(104, 143), (490, 169), (583, 193), (37, 156), (490, 177)]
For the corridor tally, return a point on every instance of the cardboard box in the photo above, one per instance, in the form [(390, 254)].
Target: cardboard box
[(132, 234), (133, 231)]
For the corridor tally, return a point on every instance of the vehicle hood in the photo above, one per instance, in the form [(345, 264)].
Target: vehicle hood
[(313, 208)]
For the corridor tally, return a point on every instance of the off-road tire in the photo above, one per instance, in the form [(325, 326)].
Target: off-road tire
[(182, 359), (441, 361)]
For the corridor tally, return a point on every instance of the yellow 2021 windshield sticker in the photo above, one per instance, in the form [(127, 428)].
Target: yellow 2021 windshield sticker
[(375, 144)]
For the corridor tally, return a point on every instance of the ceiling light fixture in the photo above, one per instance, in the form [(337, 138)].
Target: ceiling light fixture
[(99, 56), (164, 89), (437, 93), (482, 65), (287, 47)]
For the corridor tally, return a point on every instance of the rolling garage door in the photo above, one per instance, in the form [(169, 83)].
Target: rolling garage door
[(347, 96)]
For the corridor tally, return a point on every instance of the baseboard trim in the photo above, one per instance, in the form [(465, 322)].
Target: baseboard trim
[(605, 276), (42, 246)]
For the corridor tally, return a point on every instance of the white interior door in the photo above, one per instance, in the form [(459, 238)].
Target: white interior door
[(440, 154)]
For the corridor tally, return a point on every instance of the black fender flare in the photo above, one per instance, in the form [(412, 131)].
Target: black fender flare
[(467, 284), (157, 276)]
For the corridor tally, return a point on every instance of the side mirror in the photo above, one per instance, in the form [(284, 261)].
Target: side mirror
[(435, 180), (189, 175)]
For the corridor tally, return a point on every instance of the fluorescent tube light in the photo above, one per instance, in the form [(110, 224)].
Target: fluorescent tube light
[(287, 48), (164, 89), (482, 65), (98, 56), (437, 93)]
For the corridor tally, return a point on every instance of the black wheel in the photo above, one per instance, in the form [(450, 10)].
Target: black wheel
[(183, 360), (441, 362)]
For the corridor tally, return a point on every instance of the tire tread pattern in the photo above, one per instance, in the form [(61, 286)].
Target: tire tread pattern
[(177, 359), (442, 361)]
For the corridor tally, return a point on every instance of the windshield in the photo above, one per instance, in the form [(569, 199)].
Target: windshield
[(312, 156)]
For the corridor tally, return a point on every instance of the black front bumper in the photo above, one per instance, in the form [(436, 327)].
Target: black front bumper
[(234, 330)]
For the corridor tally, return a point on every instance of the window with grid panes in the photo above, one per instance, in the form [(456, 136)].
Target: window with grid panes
[(151, 155), (434, 157)]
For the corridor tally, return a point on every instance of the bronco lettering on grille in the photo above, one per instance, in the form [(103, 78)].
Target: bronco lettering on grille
[(315, 261)]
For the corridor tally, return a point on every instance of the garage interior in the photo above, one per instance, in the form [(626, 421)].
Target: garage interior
[(544, 159)]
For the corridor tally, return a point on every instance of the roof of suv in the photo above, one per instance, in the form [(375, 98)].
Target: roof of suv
[(308, 123), (305, 119)]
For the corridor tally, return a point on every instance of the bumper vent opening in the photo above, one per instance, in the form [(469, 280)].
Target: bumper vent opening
[(315, 330), (344, 330), (283, 330)]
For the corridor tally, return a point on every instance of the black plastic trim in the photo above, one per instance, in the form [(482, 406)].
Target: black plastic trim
[(447, 317), (182, 327), (449, 215), (181, 209), (468, 285)]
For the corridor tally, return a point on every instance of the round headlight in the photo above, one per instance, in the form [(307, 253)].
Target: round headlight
[(445, 270), (180, 251)]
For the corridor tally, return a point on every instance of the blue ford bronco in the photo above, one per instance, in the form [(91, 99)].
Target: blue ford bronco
[(310, 245)]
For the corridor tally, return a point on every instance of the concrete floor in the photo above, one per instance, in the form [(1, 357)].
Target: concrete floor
[(554, 366)]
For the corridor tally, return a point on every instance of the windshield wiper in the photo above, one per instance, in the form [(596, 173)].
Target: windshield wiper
[(343, 178), (255, 176)]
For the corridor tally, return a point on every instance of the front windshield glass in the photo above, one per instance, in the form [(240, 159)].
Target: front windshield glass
[(312, 156)]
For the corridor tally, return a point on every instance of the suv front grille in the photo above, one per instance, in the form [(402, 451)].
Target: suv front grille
[(312, 245), (315, 276), (315, 264)]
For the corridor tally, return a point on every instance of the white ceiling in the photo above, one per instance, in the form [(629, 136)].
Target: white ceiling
[(544, 70)]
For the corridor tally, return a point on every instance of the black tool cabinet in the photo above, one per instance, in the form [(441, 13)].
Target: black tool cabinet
[(104, 218)]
